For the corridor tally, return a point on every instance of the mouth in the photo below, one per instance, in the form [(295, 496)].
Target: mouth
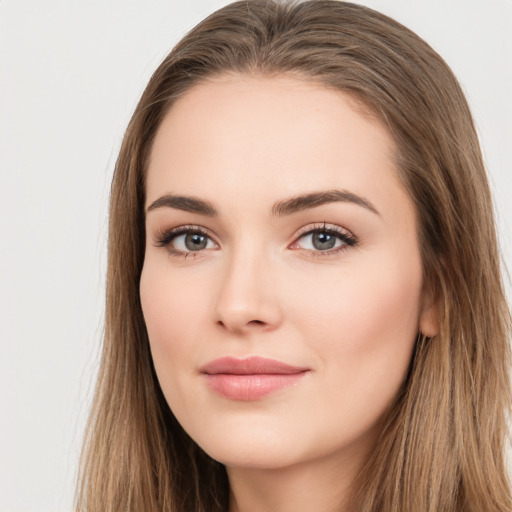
[(250, 379)]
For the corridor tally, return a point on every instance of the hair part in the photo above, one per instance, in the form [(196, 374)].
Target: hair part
[(443, 439)]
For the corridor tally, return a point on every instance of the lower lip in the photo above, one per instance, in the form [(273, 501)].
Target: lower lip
[(251, 387)]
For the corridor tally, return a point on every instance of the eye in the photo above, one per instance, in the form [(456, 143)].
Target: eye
[(325, 239), (192, 242), (185, 240)]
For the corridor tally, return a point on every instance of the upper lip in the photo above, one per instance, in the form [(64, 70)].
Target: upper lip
[(249, 366)]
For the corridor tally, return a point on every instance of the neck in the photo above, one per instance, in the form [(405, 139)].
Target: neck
[(323, 484)]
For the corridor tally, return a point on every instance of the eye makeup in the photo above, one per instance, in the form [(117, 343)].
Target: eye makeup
[(319, 240), (324, 240), (195, 239)]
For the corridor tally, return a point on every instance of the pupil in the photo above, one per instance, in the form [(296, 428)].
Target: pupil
[(323, 241), (195, 242)]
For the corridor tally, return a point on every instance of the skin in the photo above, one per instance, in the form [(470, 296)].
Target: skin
[(261, 287)]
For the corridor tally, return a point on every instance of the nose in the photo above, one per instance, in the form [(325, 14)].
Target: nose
[(248, 300)]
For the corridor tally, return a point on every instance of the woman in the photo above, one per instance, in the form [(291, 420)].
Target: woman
[(304, 304)]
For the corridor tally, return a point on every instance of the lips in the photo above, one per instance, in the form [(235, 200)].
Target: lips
[(250, 379)]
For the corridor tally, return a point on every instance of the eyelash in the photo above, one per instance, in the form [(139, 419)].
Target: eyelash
[(164, 239), (347, 238)]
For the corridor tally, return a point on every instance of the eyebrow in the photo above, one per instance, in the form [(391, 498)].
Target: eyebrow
[(185, 203), (297, 204), (280, 209)]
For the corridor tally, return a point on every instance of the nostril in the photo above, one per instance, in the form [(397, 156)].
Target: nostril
[(251, 322)]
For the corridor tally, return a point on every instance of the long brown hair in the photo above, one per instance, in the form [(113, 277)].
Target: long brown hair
[(442, 445)]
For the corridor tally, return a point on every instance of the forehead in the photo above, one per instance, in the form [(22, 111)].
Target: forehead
[(243, 136)]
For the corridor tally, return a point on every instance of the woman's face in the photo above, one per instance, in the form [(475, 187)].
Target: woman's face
[(282, 281)]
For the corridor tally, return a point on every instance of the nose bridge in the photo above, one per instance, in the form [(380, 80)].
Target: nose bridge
[(246, 297)]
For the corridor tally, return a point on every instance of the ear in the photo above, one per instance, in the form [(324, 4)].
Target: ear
[(429, 318)]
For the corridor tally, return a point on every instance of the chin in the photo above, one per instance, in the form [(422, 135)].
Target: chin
[(253, 458), (252, 450), (279, 450)]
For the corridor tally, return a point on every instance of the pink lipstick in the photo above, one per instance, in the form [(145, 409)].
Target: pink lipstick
[(250, 379)]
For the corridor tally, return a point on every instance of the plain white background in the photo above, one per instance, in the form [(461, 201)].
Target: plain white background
[(70, 75)]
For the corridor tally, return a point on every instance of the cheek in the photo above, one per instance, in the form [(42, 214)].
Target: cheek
[(172, 307), (173, 300), (363, 324), (376, 301)]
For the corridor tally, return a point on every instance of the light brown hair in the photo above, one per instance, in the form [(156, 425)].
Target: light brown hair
[(443, 441)]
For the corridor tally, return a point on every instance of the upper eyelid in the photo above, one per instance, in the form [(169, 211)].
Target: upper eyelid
[(188, 228), (160, 236), (324, 226), (314, 226)]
